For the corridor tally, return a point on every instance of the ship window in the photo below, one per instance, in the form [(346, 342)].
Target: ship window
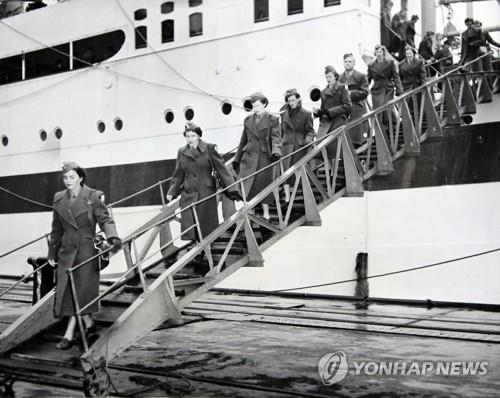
[(261, 10), (101, 126), (141, 37), (11, 69), (189, 113), (5, 140), (118, 124), (140, 14), (226, 108), (195, 3), (43, 135), (58, 133), (295, 7), (96, 49), (167, 31), (47, 61), (169, 116), (247, 104), (195, 24), (315, 94), (167, 8), (329, 3)]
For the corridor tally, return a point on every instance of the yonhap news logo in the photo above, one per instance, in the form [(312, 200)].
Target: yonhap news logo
[(334, 367)]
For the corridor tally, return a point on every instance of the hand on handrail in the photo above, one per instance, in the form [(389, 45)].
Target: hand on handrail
[(52, 262), (115, 242)]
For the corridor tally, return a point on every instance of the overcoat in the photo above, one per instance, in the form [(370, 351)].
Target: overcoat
[(259, 141), (297, 131), (385, 79), (412, 73), (193, 180), (71, 243), (334, 110), (358, 87)]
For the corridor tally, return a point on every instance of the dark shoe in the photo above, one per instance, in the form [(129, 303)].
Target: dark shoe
[(90, 329), (64, 344)]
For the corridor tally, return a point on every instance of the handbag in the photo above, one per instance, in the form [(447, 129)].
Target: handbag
[(219, 182), (101, 246)]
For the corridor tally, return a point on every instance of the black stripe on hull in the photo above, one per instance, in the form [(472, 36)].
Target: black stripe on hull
[(465, 155), (116, 182)]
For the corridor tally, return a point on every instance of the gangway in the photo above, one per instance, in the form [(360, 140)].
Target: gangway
[(156, 287)]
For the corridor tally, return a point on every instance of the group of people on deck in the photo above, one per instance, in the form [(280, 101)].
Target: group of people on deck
[(266, 138)]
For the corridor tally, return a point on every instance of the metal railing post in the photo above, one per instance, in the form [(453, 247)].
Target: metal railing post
[(77, 310), (139, 266)]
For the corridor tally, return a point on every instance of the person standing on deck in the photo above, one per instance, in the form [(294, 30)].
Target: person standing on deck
[(357, 84)]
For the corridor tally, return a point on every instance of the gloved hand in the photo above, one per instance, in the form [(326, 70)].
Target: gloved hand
[(115, 242), (275, 157), (234, 195), (236, 167), (52, 262)]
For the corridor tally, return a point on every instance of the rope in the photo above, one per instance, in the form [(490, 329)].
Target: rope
[(23, 246), (392, 272), (25, 198)]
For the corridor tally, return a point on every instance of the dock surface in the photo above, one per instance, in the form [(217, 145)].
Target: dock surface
[(244, 345)]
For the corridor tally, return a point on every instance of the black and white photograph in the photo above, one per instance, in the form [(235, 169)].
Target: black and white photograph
[(250, 198)]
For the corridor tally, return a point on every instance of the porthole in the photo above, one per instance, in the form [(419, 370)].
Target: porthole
[(226, 108), (140, 14), (5, 140), (247, 104), (101, 126), (315, 94), (43, 135), (169, 116), (58, 133), (167, 8), (189, 113), (118, 123)]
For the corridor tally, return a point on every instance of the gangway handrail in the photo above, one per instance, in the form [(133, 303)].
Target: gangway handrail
[(328, 137)]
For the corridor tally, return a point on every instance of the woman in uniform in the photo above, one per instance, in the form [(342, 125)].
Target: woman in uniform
[(259, 147), (335, 108), (77, 210), (297, 131), (385, 77), (194, 180)]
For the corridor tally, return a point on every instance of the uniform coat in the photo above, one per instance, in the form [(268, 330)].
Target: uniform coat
[(193, 180), (71, 243), (335, 109), (385, 79), (297, 130), (259, 141), (470, 43), (358, 87), (425, 48), (412, 74)]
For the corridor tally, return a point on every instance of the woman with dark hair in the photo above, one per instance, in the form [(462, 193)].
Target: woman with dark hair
[(77, 210), (193, 179), (335, 108), (297, 131), (259, 147), (411, 70), (385, 77)]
